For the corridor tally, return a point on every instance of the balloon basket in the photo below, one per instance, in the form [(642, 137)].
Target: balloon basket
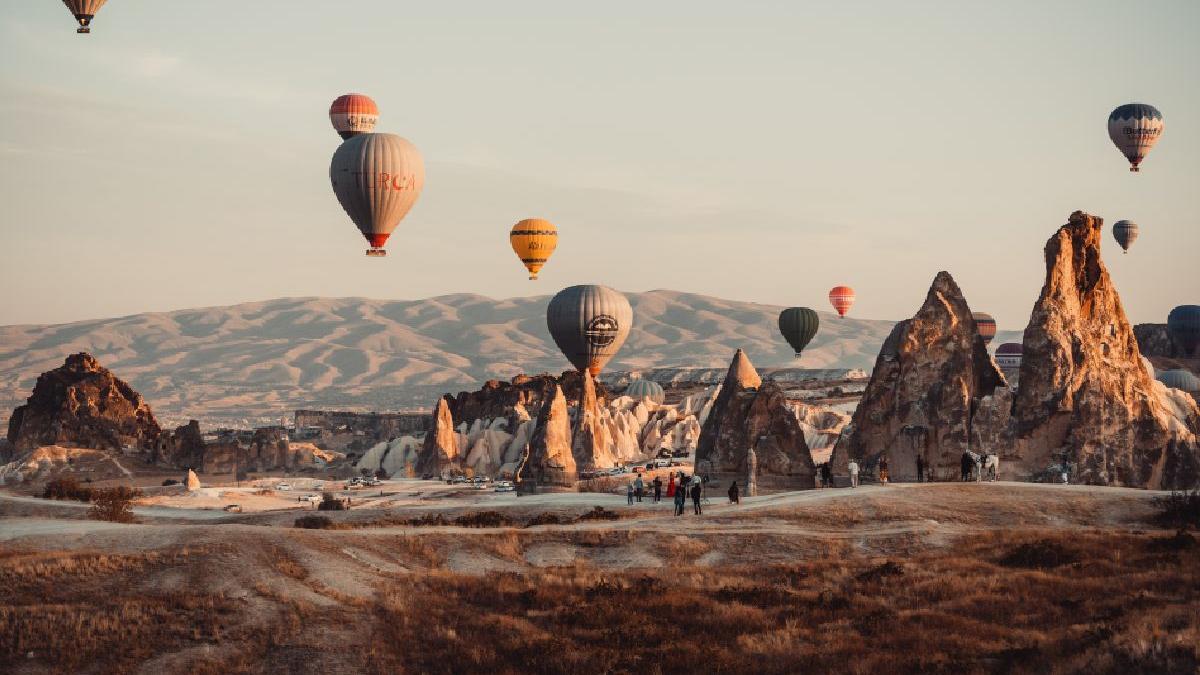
[(83, 31), (376, 253), (1134, 169), (533, 277)]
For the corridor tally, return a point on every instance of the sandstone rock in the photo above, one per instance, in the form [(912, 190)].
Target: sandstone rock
[(82, 404), (590, 443), (549, 462), (930, 375), (440, 450), (192, 481), (750, 415), (183, 447), (1084, 394)]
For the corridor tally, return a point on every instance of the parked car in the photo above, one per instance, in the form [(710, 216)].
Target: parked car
[(662, 463), (459, 479), (311, 499), (233, 508), (505, 486), (284, 487)]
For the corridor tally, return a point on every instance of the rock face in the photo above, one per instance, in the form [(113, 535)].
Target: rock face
[(1084, 394), (591, 441), (1154, 340), (549, 462), (924, 391), (441, 444), (82, 404), (750, 415), (192, 481)]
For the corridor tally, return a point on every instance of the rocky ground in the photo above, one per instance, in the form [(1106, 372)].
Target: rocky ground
[(964, 578)]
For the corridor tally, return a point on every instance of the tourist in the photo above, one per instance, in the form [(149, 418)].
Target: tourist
[(657, 489), (733, 493), (920, 469), (680, 500), (852, 467), (883, 470), (826, 475), (671, 485), (638, 488), (696, 493), (629, 493), (966, 465)]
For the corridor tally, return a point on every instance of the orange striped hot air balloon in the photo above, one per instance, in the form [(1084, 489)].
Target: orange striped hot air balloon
[(353, 114), (842, 299), (83, 11), (533, 240)]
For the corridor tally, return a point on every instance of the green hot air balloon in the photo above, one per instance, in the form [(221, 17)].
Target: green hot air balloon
[(589, 324), (798, 325)]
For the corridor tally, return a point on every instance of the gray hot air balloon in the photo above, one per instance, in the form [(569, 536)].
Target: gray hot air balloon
[(589, 324), (377, 178), (1125, 232), (645, 389)]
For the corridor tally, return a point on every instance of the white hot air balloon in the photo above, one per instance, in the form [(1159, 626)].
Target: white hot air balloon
[(1134, 128), (377, 178)]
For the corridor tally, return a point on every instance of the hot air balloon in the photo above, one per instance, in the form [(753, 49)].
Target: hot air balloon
[(377, 178), (589, 324), (645, 389), (84, 10), (1008, 356), (986, 325), (1180, 379), (533, 240), (842, 299), (353, 114), (1125, 232), (1183, 325), (1134, 128), (798, 325)]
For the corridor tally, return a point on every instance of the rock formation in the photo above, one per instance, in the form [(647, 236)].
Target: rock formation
[(549, 462), (591, 441), (183, 448), (440, 450), (192, 481), (82, 404), (928, 380), (1084, 394), (749, 414)]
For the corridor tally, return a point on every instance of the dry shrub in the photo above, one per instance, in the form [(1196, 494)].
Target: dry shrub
[(314, 522), (1043, 554), (114, 504), (66, 488), (483, 519), (330, 502), (599, 513), (880, 572), (1179, 509), (547, 518)]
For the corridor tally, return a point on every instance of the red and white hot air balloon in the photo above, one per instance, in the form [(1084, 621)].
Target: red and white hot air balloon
[(842, 299), (353, 114)]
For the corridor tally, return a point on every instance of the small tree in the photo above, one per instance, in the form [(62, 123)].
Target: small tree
[(114, 504)]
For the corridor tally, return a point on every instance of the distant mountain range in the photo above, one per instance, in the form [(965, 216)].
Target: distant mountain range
[(254, 362)]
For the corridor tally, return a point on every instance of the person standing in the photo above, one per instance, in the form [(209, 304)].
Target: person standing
[(629, 493), (852, 467), (920, 469), (657, 489), (965, 465), (826, 475), (883, 470), (671, 484), (696, 494), (680, 500), (639, 488), (733, 493)]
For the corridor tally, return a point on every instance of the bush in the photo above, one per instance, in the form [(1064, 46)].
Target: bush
[(599, 513), (114, 504), (67, 488), (1179, 510), (314, 522), (169, 482), (331, 503), (1043, 554), (546, 518), (483, 519)]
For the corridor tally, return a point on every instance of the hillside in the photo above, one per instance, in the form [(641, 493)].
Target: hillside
[(256, 361)]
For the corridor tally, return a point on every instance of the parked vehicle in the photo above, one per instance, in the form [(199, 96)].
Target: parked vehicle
[(311, 499), (233, 508), (283, 487), (662, 463), (505, 486)]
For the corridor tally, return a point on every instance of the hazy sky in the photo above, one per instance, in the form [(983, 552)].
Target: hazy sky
[(178, 156)]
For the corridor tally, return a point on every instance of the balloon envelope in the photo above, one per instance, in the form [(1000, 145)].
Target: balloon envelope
[(1125, 232), (84, 11), (645, 389), (1180, 379), (842, 299), (377, 178), (589, 324), (1008, 355), (353, 114), (533, 240), (985, 325), (1134, 128), (798, 325), (1183, 325)]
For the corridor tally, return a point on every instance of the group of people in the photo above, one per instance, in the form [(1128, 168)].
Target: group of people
[(680, 490)]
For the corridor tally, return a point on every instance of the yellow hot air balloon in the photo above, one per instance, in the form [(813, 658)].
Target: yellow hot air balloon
[(533, 240)]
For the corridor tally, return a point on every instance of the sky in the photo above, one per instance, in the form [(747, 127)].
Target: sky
[(765, 151)]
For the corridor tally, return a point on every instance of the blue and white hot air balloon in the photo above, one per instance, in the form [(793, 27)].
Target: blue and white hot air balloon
[(1134, 128)]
